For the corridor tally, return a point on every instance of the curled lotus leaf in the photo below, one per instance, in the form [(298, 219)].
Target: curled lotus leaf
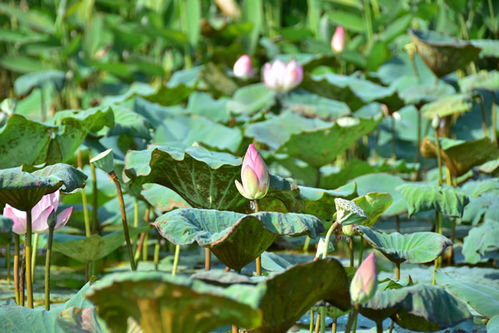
[(416, 248), (418, 308), (236, 239), (441, 54), (347, 212), (162, 303)]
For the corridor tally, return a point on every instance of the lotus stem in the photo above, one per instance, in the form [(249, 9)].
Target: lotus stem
[(368, 21), (235, 329), (157, 247), (140, 246), (48, 257), (7, 259), (22, 275), (95, 199), (43, 104), (258, 260), (176, 259), (379, 326), (145, 252), (317, 323), (394, 138), (439, 157), (361, 251), (16, 269), (418, 153), (116, 181), (397, 223), (397, 271), (33, 255), (494, 121), (27, 254), (352, 253), (207, 259), (328, 237), (323, 319), (84, 199), (306, 244), (438, 229), (484, 117), (392, 325), (334, 325), (352, 319)]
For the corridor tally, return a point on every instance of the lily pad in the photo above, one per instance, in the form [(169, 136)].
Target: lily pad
[(442, 54), (419, 308), (163, 303), (460, 156), (320, 147), (416, 248), (236, 239)]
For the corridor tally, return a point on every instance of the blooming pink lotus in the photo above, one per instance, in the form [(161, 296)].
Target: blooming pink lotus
[(282, 77), (365, 281), (242, 67), (254, 175), (40, 215), (338, 40)]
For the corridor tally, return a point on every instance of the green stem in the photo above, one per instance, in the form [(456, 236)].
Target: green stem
[(334, 326), (306, 245), (438, 229), (494, 122), (394, 139), (16, 268), (95, 199), (136, 213), (323, 319), (48, 257), (176, 259), (352, 252), (492, 16), (258, 260), (7, 259), (439, 158), (84, 199), (27, 253), (157, 247), (33, 255), (397, 223), (207, 259), (397, 271), (43, 104), (311, 324), (368, 21), (379, 326), (126, 233), (328, 237), (352, 319)]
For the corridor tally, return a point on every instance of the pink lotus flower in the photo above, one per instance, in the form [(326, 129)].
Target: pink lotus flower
[(338, 40), (282, 77), (365, 281), (254, 175), (40, 215), (242, 67)]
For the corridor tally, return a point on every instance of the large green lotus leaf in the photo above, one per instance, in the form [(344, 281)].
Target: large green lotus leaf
[(23, 141), (26, 82), (162, 303), (314, 106), (460, 156), (129, 123), (374, 205), (23, 190), (308, 60), (217, 81), (484, 207), (481, 239), (203, 178), (443, 55), (320, 147), (204, 105), (320, 202), (251, 99), (484, 80), (292, 290), (386, 183), (352, 90), (421, 197), (489, 47), (95, 247), (493, 324), (416, 248), (186, 130), (282, 196), (169, 95), (288, 122), (423, 93), (482, 298), (420, 307), (73, 127), (236, 239), (448, 105), (291, 293)]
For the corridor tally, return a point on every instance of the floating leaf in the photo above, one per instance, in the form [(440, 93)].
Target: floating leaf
[(419, 307), (314, 106), (416, 248), (320, 147), (163, 303), (421, 197), (442, 54), (484, 299), (448, 105), (236, 239)]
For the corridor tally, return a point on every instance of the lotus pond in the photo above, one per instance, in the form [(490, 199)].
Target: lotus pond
[(188, 166)]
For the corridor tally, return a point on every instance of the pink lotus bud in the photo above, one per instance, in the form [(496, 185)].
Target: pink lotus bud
[(242, 67), (254, 175), (281, 77), (39, 214), (365, 281), (338, 40)]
